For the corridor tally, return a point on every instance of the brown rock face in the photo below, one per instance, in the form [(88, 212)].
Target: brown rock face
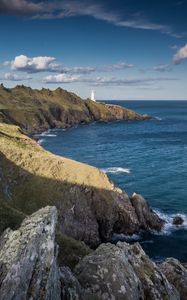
[(148, 219)]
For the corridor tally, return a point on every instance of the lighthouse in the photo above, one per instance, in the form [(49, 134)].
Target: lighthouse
[(93, 95)]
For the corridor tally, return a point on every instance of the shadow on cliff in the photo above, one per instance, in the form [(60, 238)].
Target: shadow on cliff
[(85, 213)]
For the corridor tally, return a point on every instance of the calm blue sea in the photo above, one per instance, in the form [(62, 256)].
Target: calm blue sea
[(147, 157)]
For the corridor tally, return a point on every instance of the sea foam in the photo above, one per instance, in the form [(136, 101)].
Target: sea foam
[(158, 118), (116, 170), (126, 238), (40, 142), (46, 133), (169, 227)]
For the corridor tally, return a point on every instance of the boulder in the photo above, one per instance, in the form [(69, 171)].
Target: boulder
[(28, 268), (148, 219), (122, 272), (178, 220), (176, 274)]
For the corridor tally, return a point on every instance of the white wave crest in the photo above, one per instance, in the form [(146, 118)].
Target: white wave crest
[(169, 227), (46, 134), (40, 142), (116, 170), (126, 238), (158, 118)]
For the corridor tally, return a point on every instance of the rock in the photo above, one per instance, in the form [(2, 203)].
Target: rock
[(28, 268), (148, 219), (176, 274), (178, 220), (120, 113), (122, 272), (106, 274), (70, 287), (28, 259)]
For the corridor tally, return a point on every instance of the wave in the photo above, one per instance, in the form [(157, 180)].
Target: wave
[(126, 238), (116, 170), (46, 134), (158, 118), (40, 142), (169, 227)]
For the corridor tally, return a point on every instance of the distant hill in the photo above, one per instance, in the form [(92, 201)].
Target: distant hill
[(38, 110)]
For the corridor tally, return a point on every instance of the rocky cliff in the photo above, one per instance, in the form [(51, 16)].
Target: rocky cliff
[(37, 110), (29, 269), (90, 207)]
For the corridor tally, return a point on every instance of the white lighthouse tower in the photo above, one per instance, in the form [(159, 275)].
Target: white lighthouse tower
[(93, 96)]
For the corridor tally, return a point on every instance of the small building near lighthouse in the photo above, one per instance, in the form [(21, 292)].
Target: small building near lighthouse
[(93, 95)]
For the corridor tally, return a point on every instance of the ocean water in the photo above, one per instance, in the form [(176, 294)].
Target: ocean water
[(147, 157)]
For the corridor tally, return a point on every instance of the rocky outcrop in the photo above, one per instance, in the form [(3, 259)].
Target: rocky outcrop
[(147, 218), (38, 110), (178, 220), (176, 274), (90, 207), (28, 268), (125, 114), (122, 272)]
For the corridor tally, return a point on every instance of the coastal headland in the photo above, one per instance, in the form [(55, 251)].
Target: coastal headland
[(50, 200)]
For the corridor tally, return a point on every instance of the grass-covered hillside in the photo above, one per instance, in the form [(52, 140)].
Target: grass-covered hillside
[(90, 207), (37, 110)]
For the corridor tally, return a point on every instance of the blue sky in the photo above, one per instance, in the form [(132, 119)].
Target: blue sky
[(130, 49)]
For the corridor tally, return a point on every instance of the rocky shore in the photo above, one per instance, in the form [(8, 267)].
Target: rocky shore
[(29, 268), (58, 216)]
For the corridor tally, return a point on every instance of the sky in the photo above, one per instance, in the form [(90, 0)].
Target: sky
[(122, 49)]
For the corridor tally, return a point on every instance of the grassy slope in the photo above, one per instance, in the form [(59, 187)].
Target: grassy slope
[(31, 178), (37, 110), (23, 157), (21, 193)]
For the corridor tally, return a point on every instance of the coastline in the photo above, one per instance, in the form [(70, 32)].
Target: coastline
[(91, 211)]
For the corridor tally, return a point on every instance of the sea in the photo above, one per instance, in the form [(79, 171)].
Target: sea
[(148, 157)]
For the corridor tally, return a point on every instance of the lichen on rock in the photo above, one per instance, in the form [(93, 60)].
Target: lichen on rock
[(122, 272), (28, 259)]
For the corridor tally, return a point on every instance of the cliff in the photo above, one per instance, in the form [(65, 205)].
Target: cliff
[(90, 207), (38, 110), (29, 268)]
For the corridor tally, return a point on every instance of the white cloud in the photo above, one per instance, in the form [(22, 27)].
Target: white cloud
[(180, 55), (14, 77), (114, 81), (61, 78), (48, 64), (162, 68), (78, 70), (34, 64), (118, 66)]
